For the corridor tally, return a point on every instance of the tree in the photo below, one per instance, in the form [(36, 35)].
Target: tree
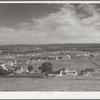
[(46, 68), (30, 68)]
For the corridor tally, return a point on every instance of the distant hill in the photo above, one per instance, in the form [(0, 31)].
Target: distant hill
[(49, 47)]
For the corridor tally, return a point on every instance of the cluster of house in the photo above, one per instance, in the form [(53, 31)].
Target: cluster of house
[(61, 72), (25, 55), (35, 58), (7, 56), (65, 71), (10, 63), (52, 53), (15, 55), (87, 54)]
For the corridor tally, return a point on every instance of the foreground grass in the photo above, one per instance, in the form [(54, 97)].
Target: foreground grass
[(62, 83)]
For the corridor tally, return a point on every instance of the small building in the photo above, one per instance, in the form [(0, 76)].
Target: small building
[(87, 71), (65, 71), (19, 70)]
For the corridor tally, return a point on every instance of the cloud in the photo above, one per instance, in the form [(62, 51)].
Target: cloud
[(74, 28), (71, 24), (67, 26)]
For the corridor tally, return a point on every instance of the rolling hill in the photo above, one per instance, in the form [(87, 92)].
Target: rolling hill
[(49, 47)]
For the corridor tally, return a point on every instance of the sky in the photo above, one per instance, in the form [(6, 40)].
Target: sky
[(49, 23)]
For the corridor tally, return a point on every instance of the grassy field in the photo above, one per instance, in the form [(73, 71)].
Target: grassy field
[(59, 83), (63, 83)]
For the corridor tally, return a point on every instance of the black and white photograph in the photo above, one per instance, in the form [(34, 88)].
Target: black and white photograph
[(49, 47)]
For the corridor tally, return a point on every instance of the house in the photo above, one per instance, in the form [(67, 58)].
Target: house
[(70, 72), (87, 71), (3, 66), (19, 70), (65, 71), (68, 56)]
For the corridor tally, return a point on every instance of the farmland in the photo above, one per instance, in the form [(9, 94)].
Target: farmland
[(79, 60)]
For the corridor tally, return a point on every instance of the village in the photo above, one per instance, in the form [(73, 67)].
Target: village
[(13, 63), (54, 54)]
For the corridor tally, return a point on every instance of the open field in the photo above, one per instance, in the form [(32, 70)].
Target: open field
[(59, 83), (62, 83)]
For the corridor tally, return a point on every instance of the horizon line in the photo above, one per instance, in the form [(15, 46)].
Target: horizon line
[(49, 44)]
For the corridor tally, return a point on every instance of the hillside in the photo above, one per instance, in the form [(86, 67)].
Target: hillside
[(49, 47)]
